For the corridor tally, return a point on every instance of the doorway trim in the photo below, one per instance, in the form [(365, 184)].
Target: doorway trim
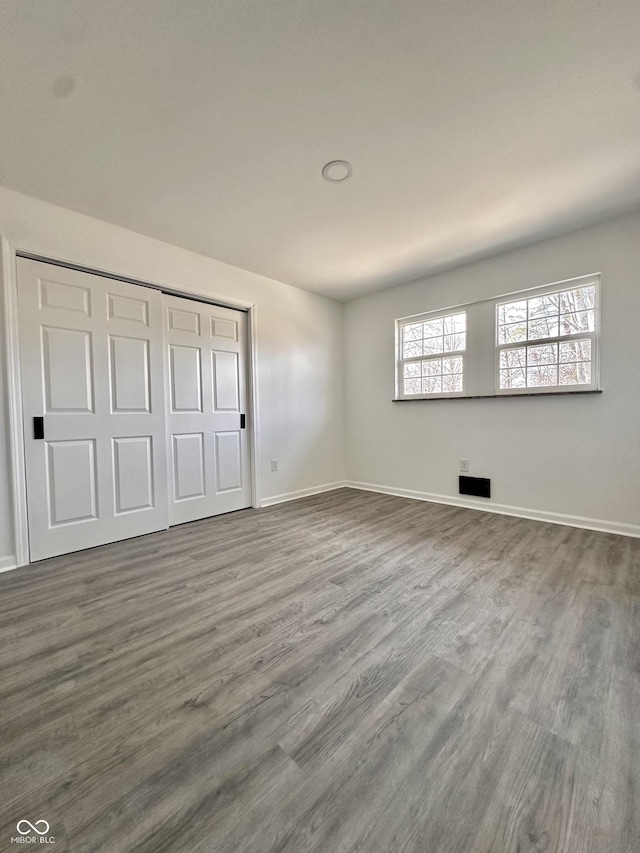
[(8, 273)]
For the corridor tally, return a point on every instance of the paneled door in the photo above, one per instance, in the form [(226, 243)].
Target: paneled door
[(205, 375), (94, 409)]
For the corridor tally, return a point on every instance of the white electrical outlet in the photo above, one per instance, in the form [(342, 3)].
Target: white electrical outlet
[(274, 465), (464, 466)]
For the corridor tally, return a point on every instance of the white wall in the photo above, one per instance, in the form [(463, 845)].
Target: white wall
[(574, 456), (300, 341)]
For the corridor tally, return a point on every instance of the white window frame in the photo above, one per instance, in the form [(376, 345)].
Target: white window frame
[(401, 361), (481, 357), (594, 337)]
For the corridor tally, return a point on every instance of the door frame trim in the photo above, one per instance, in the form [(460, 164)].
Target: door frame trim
[(17, 462), (8, 273)]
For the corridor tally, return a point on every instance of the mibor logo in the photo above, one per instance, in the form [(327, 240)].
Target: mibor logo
[(31, 827), (33, 833)]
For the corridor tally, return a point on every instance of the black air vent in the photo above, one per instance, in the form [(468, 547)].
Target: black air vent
[(479, 487)]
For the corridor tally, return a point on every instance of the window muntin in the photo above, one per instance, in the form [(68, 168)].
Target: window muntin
[(555, 337), (432, 355)]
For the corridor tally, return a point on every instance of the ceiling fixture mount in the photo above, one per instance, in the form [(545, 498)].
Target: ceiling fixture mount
[(337, 171)]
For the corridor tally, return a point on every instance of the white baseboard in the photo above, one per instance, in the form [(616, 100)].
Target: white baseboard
[(602, 526), (302, 493), (7, 564)]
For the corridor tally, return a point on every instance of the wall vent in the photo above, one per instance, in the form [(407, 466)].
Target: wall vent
[(479, 487)]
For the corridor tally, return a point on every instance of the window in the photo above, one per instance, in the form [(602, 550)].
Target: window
[(432, 355), (547, 341), (538, 341)]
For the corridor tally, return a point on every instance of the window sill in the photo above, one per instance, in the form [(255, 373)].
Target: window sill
[(496, 396)]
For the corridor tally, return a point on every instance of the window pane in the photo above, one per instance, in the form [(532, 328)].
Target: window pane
[(578, 299), (455, 343), (514, 378), (411, 349), (412, 332), (546, 327), (455, 323), (412, 386), (567, 312), (452, 365), (512, 312), (452, 383), (412, 369), (545, 375), (433, 367), (433, 345), (575, 351), (433, 328), (575, 324), (513, 357), (432, 385), (542, 370), (545, 354), (575, 374), (543, 306), (512, 334)]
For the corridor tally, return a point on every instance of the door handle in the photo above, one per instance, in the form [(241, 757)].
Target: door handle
[(38, 428), (242, 421)]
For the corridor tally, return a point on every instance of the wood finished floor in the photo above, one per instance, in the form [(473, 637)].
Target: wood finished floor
[(349, 672)]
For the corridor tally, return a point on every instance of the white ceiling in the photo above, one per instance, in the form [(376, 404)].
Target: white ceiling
[(471, 126)]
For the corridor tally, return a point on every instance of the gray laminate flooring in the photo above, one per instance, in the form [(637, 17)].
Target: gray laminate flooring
[(349, 672)]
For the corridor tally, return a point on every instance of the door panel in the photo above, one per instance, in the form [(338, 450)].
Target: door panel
[(186, 379), (181, 320), (188, 466), (133, 473), (126, 308), (57, 294), (68, 370), (228, 461), (206, 388), (221, 328), (226, 381), (92, 364), (130, 391), (71, 474)]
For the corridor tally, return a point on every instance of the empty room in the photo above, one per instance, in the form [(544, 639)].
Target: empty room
[(320, 426)]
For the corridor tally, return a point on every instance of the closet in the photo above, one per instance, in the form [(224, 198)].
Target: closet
[(134, 405)]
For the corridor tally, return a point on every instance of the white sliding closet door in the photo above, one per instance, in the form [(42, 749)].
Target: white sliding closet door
[(94, 409), (208, 454)]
